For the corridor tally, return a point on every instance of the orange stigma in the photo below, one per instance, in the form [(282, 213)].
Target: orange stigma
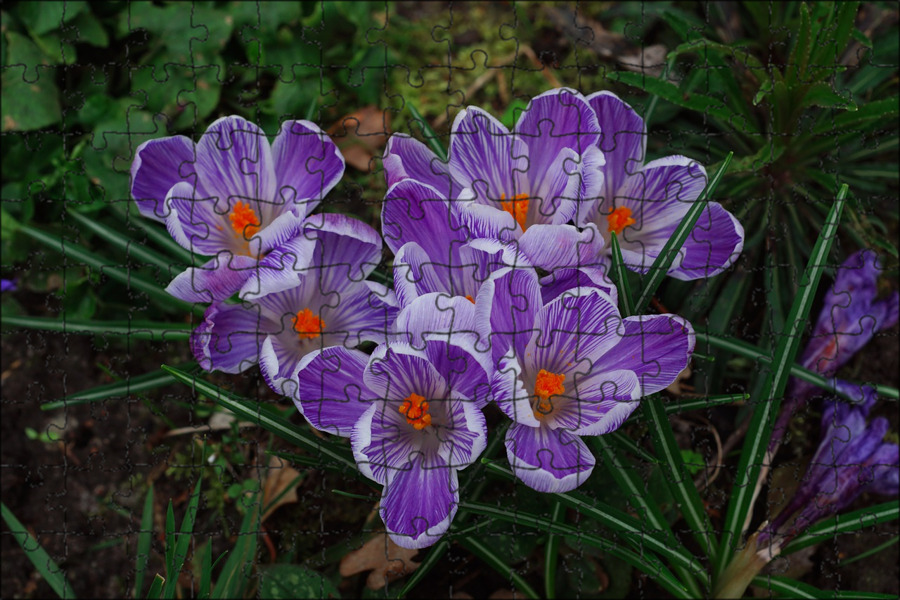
[(470, 299), (547, 384), (517, 207), (307, 325), (619, 219), (416, 410), (243, 220)]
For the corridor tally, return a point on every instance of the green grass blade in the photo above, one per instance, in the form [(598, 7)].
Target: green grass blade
[(628, 445), (170, 541), (495, 562), (632, 529), (129, 279), (130, 246), (752, 352), (434, 556), (250, 411), (682, 406), (145, 537), (869, 552), (620, 278), (182, 542), (660, 267), (135, 330), (156, 587), (550, 554), (650, 512), (745, 487), (45, 565), (643, 560), (235, 572), (845, 523), (119, 389), (678, 478), (428, 133), (157, 234), (784, 586), (206, 568)]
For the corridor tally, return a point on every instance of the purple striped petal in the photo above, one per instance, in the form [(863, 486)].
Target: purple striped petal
[(484, 156), (280, 270), (555, 121), (415, 212), (419, 502), (347, 251), (307, 165), (407, 158), (510, 392), (553, 247), (623, 141), (506, 309), (548, 460), (397, 370), (578, 327), (462, 433), (655, 347), (713, 245), (218, 279), (229, 338), (554, 198), (483, 221), (415, 274), (563, 280), (193, 222), (158, 165), (383, 441), (331, 394), (234, 162), (605, 399)]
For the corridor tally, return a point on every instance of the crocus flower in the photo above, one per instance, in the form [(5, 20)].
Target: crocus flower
[(644, 203), (853, 457), (570, 368), (411, 413), (331, 305), (8, 285), (851, 315), (520, 187), (235, 197)]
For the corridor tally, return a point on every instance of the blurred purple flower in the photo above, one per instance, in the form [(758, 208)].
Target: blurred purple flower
[(331, 305), (412, 412), (852, 458), (570, 368), (235, 197), (9, 285), (644, 203)]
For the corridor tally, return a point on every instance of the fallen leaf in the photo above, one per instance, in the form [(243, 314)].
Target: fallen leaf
[(361, 135), (387, 561), (281, 477), (676, 386)]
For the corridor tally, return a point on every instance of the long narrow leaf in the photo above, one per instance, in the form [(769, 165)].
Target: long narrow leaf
[(752, 352), (127, 387), (550, 554), (145, 537), (182, 541), (159, 235), (608, 516), (789, 587), (663, 262), (430, 136), (45, 565), (135, 330), (676, 474), (845, 523), (124, 276), (156, 587), (643, 561), (495, 562), (760, 431), (127, 244), (235, 572), (620, 277), (248, 411)]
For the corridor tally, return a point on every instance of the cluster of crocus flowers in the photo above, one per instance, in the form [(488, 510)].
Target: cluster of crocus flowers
[(500, 291)]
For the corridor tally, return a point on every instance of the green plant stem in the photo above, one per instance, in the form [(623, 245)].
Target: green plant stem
[(135, 330), (550, 554)]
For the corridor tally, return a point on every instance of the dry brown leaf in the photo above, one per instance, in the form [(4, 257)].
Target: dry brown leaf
[(361, 135), (281, 476), (676, 386), (386, 560)]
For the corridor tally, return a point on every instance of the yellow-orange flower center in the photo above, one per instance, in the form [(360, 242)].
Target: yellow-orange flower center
[(619, 219), (415, 408), (307, 325), (546, 384), (470, 299), (517, 207), (244, 220)]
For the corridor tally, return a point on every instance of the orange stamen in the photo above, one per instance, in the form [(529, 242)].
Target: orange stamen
[(307, 325), (470, 299), (416, 410), (517, 207), (244, 220), (547, 384), (619, 219)]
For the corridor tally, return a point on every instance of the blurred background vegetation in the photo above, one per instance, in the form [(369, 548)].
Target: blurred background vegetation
[(804, 94)]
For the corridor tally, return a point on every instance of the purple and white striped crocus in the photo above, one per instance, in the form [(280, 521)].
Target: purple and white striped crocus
[(644, 203), (853, 457), (570, 368), (331, 304), (515, 189), (237, 198), (412, 413)]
